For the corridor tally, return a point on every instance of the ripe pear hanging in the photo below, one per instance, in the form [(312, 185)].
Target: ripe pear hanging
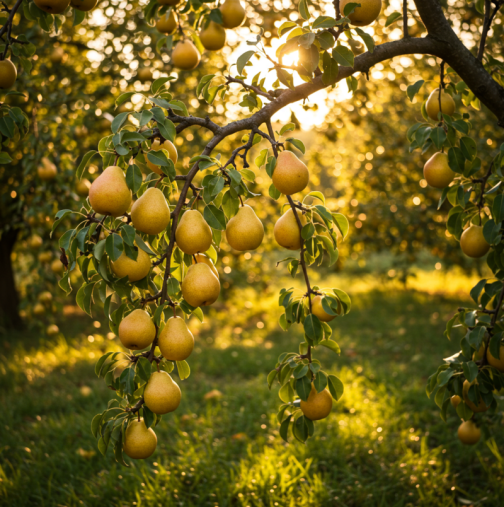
[(136, 330), (290, 174), (169, 147), (162, 395), (134, 270), (151, 214), (193, 234), (139, 441), (286, 230), (233, 13), (245, 231), (176, 342), (200, 286), (432, 105), (213, 36), (185, 55), (109, 194), (437, 171)]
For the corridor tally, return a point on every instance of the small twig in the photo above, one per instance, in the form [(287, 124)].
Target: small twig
[(253, 88), (405, 19)]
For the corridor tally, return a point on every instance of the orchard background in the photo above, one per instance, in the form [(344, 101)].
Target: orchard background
[(360, 125)]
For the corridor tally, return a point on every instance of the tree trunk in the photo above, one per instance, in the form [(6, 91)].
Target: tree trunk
[(9, 299)]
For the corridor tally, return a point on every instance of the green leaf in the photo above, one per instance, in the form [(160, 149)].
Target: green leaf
[(320, 381), (324, 22), (313, 327), (343, 56), (303, 387), (114, 246), (119, 121), (101, 362), (341, 222), (284, 428), (303, 9), (456, 160), (243, 60), (336, 387), (331, 345), (143, 368), (262, 157), (183, 369), (215, 217), (297, 143), (392, 18), (84, 162)]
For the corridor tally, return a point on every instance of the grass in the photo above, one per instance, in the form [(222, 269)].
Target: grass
[(383, 445)]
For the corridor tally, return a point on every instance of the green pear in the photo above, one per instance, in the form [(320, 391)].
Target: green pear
[(193, 234), (139, 441), (162, 394), (245, 231), (109, 194), (136, 330), (200, 286), (151, 213), (233, 13), (286, 230), (176, 342), (134, 270), (290, 174)]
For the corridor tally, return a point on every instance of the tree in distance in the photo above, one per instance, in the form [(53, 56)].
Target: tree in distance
[(318, 310), (286, 230), (185, 55), (432, 106), (46, 171), (290, 174), (35, 242), (193, 234), (109, 194), (167, 23), (8, 74), (494, 361), (473, 243), (213, 36), (162, 395), (437, 171), (469, 433), (200, 286), (83, 5), (82, 187), (136, 330), (233, 13), (364, 15), (481, 407), (318, 405), (134, 270), (206, 260), (144, 74), (455, 400), (52, 6), (139, 441), (169, 147), (150, 213), (176, 342), (245, 231)]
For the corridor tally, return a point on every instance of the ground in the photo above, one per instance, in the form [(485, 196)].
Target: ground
[(383, 445)]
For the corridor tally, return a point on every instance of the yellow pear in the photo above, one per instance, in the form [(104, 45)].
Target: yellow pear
[(134, 270), (233, 13), (82, 187), (318, 310), (437, 171), (481, 407), (57, 266), (139, 441), (213, 36), (286, 230), (45, 257), (136, 330), (432, 106), (318, 406), (185, 55), (206, 260), (290, 174), (364, 15), (144, 74), (151, 214), (473, 243), (39, 309), (455, 400), (45, 297), (200, 286), (245, 231), (35, 241), (83, 5), (169, 147), (493, 361), (162, 394), (52, 6), (109, 194), (8, 74), (167, 24), (47, 170), (176, 342), (469, 433), (193, 234), (52, 330)]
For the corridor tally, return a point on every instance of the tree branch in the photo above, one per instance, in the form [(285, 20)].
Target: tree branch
[(405, 19)]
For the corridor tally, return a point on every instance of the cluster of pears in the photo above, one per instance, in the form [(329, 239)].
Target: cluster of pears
[(212, 36), (59, 6)]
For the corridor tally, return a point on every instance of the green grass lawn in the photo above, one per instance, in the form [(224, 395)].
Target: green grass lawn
[(383, 445)]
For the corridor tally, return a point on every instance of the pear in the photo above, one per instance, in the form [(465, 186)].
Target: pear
[(473, 243), (162, 394), (233, 13), (290, 175), (45, 297), (200, 286), (109, 194), (58, 55), (151, 214), (39, 309), (139, 441), (47, 170), (318, 310), (206, 260), (364, 15), (136, 330), (193, 234), (481, 407), (83, 5), (35, 242), (432, 106), (493, 361), (169, 147), (82, 187), (455, 400), (8, 74), (52, 330), (318, 405), (52, 6), (134, 270), (469, 433), (185, 55), (45, 257), (144, 74), (176, 342), (245, 231), (213, 36), (437, 171), (286, 230), (57, 267), (167, 24)]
